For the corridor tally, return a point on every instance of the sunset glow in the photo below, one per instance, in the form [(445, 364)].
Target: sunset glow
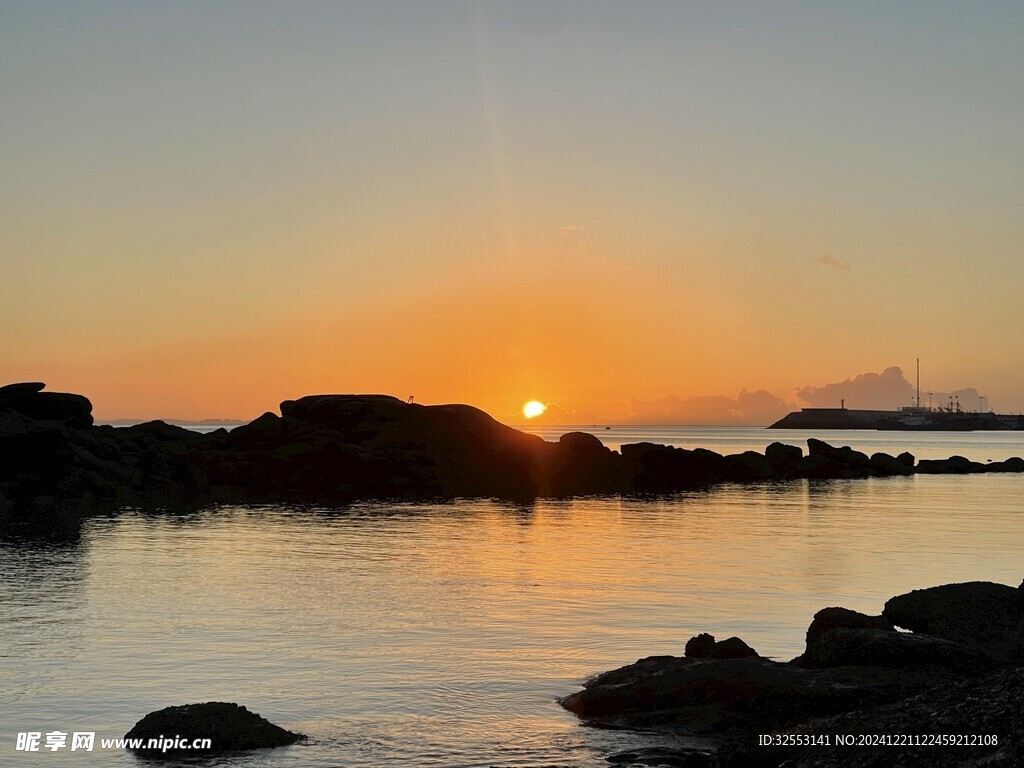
[(497, 201), (533, 409)]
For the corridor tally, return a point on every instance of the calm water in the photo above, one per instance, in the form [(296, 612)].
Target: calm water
[(977, 446), (440, 635)]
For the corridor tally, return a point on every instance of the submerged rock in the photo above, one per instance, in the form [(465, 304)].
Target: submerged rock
[(227, 726)]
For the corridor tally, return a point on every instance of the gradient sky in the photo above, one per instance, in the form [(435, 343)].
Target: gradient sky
[(206, 208)]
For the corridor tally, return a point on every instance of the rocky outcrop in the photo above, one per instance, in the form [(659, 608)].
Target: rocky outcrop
[(859, 674), (28, 399), (723, 697), (954, 465), (988, 706), (839, 637), (704, 646), (229, 727), (979, 614), (336, 448)]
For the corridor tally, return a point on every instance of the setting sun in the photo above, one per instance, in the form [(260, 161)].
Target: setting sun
[(533, 408)]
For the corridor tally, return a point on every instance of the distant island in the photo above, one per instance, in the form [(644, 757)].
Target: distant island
[(333, 449)]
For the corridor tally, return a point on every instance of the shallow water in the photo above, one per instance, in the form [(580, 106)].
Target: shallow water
[(441, 635)]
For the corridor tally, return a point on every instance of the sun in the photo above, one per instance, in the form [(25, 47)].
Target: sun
[(533, 408)]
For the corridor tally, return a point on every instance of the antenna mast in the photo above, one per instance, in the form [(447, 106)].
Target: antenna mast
[(919, 382)]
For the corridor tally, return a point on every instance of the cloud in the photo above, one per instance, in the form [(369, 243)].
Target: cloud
[(753, 408), (567, 230), (829, 261), (886, 391)]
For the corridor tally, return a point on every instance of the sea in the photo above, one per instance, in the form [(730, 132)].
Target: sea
[(444, 634)]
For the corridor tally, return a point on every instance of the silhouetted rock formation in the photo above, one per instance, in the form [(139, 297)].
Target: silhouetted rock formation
[(335, 448), (228, 727), (968, 637), (991, 705), (703, 646), (980, 614), (28, 399)]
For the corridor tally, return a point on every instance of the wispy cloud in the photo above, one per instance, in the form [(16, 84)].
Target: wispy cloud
[(829, 261), (568, 230)]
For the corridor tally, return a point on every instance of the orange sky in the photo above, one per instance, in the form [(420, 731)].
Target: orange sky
[(585, 204)]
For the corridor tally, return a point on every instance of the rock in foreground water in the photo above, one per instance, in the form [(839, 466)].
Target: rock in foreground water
[(958, 672), (227, 726)]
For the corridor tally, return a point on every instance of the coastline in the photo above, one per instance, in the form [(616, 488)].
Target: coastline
[(340, 448)]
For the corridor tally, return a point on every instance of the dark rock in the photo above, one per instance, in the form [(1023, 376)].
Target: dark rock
[(700, 646), (843, 618), (1014, 464), (337, 448), (228, 726), (663, 757), (783, 455), (748, 466), (992, 705), (12, 392), (838, 636), (906, 459), (954, 465), (265, 432), (580, 463), (878, 647), (732, 648), (583, 443), (845, 457), (73, 411), (662, 468), (884, 464), (703, 646), (713, 696), (980, 614), (816, 467)]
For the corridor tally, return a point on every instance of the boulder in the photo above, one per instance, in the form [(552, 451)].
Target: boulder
[(703, 646), (663, 468), (885, 648), (1014, 464), (719, 696), (845, 457), (228, 726), (783, 455), (74, 411), (748, 466), (980, 614), (828, 619), (700, 646), (13, 392), (990, 704), (579, 463), (954, 465), (884, 464)]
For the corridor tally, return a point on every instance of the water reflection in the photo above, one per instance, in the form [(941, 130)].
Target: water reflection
[(441, 634)]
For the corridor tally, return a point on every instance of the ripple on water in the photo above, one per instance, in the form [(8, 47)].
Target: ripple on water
[(441, 635)]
